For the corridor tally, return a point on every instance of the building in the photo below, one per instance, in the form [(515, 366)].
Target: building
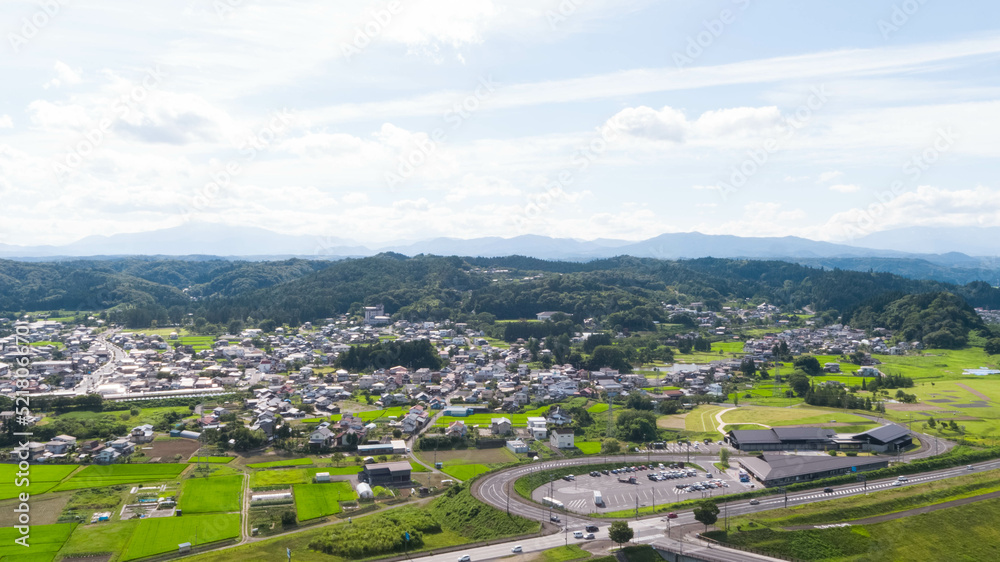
[(386, 473), (457, 411), (501, 426), (773, 469), (886, 439), (782, 439), (376, 315), (375, 450), (548, 314), (537, 427), (561, 438), (517, 446)]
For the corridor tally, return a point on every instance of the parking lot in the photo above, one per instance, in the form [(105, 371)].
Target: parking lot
[(617, 493)]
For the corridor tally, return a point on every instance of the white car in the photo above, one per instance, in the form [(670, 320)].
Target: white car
[(517, 549), (465, 558), (577, 534)]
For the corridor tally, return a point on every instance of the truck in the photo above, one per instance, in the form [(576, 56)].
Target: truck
[(552, 502), (598, 498), (744, 477)]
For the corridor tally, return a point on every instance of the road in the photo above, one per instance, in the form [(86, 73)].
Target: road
[(91, 381)]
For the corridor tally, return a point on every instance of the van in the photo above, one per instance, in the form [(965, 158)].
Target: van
[(902, 479), (577, 534)]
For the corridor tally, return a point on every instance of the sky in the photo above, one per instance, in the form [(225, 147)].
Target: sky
[(381, 122)]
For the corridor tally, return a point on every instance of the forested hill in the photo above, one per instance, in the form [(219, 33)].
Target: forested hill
[(628, 291), (429, 287)]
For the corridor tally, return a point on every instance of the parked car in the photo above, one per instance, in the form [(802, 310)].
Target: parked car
[(516, 549), (605, 471)]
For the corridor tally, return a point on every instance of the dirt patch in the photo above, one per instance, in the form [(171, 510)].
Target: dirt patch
[(972, 405), (974, 392), (900, 407), (941, 401), (87, 559), (45, 509), (482, 456), (167, 449), (671, 422)]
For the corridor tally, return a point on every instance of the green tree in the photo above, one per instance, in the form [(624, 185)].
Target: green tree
[(706, 513), (809, 364), (611, 446), (724, 457), (992, 346), (620, 533)]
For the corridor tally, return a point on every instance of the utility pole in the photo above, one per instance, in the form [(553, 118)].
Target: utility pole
[(784, 490)]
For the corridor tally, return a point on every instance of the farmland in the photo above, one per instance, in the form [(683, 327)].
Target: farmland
[(210, 459), (483, 420), (42, 479), (89, 539), (206, 495), (95, 476), (286, 462), (465, 471), (163, 534), (44, 541), (260, 478), (318, 500)]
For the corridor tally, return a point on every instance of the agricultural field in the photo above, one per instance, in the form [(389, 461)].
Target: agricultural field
[(105, 537), (318, 500), (163, 534), (589, 447), (466, 456), (286, 462), (261, 478), (207, 495), (220, 460), (465, 471), (42, 478), (483, 420), (96, 476), (44, 540)]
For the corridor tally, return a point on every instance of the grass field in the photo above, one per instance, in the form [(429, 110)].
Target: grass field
[(598, 408), (483, 420), (562, 554), (163, 534), (210, 459), (589, 447), (44, 541), (89, 539), (260, 478), (318, 500), (287, 462), (207, 495), (789, 416), (965, 533), (41, 478), (702, 419), (465, 471), (95, 476)]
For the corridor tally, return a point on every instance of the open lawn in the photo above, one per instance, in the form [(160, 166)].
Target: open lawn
[(562, 554), (466, 456), (95, 476), (598, 408), (207, 495), (260, 478), (702, 419), (589, 447), (163, 534), (795, 415), (318, 500), (43, 542)]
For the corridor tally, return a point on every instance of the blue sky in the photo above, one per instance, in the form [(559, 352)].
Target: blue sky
[(387, 121)]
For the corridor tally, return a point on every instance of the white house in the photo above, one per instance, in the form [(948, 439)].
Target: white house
[(561, 438)]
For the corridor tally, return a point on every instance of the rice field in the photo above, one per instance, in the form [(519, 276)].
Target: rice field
[(95, 476), (319, 500), (162, 534), (207, 495)]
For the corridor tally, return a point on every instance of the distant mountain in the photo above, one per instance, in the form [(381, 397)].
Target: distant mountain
[(970, 240)]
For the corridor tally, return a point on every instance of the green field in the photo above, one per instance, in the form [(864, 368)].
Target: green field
[(465, 471), (193, 460), (789, 416), (563, 554), (90, 539), (483, 420), (206, 495), (163, 534), (95, 476), (589, 447), (702, 419), (41, 478), (598, 408), (318, 500), (44, 541), (260, 478), (287, 462), (965, 533)]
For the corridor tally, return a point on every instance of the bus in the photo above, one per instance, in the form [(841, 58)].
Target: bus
[(598, 498), (744, 477), (552, 502)]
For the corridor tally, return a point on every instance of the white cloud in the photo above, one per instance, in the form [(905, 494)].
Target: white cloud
[(827, 176), (355, 198), (64, 75), (845, 188), (6, 122)]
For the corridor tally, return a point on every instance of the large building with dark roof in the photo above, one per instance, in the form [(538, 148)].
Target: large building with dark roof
[(775, 469), (889, 438), (386, 473)]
